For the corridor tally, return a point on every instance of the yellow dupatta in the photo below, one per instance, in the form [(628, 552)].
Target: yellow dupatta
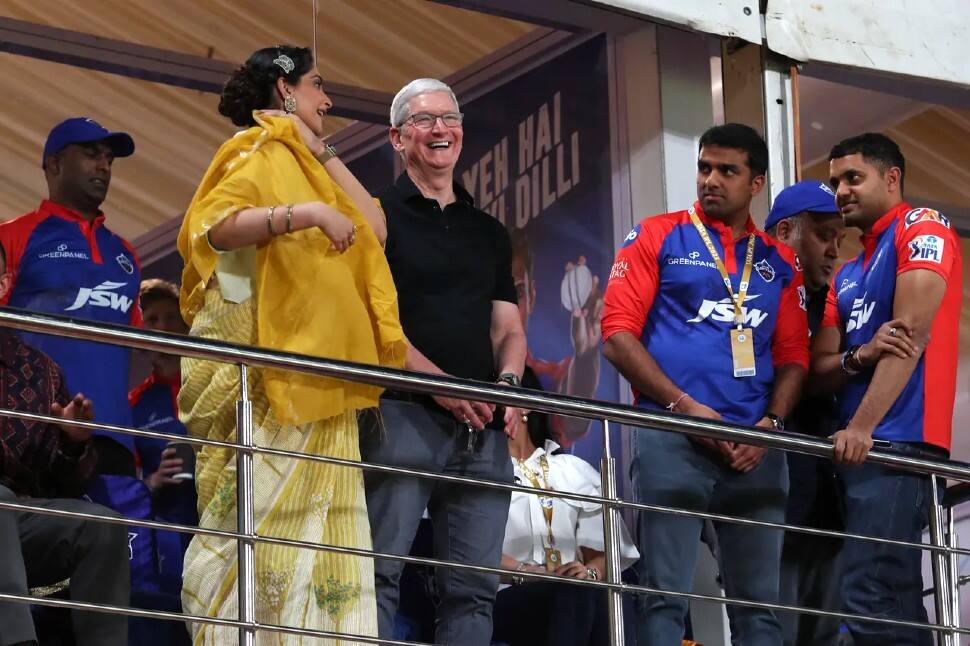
[(310, 299)]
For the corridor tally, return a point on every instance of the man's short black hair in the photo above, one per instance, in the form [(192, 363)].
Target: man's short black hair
[(739, 137), (876, 148)]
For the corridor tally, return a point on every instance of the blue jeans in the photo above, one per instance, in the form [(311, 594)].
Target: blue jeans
[(671, 470), (880, 580), (468, 522)]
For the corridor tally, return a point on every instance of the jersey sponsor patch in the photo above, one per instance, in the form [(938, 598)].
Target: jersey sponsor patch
[(619, 269), (64, 252), (926, 215), (861, 313), (765, 270), (631, 237), (926, 248), (722, 311), (104, 295), (693, 260)]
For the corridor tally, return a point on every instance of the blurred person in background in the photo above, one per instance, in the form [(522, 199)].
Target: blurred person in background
[(65, 260), (805, 217), (532, 613)]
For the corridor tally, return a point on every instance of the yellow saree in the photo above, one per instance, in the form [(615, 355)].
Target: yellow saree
[(295, 294)]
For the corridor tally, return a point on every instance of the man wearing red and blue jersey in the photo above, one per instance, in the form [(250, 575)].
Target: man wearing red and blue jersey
[(907, 284), (685, 344), (64, 260)]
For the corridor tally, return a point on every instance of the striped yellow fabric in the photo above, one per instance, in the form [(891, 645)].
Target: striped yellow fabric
[(293, 499)]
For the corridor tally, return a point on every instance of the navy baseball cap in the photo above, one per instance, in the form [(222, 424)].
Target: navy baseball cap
[(81, 130), (808, 195)]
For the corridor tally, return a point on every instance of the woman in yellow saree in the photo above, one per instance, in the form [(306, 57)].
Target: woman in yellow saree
[(283, 249)]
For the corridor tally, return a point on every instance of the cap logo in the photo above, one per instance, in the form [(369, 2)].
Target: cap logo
[(828, 189)]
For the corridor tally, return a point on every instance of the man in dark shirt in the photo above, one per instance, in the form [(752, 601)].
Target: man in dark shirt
[(47, 465), (805, 217), (452, 266)]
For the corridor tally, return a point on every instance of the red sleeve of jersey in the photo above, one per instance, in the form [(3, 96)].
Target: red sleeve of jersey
[(924, 240), (14, 236), (634, 278), (831, 316), (790, 341)]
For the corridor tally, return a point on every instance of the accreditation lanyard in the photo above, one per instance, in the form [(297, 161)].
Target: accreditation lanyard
[(737, 299), (742, 343), (544, 501)]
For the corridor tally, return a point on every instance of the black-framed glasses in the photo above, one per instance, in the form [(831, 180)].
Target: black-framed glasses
[(426, 121)]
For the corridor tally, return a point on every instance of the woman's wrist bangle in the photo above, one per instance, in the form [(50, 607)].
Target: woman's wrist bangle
[(328, 153), (520, 566), (672, 406), (269, 220), (289, 218)]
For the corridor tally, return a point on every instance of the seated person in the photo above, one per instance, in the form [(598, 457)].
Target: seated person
[(553, 535), (154, 408), (49, 466)]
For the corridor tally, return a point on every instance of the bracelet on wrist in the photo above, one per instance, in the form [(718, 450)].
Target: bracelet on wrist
[(269, 220), (672, 406), (289, 218), (328, 153), (849, 358)]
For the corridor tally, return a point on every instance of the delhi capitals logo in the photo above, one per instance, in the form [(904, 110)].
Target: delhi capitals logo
[(631, 237), (125, 263), (765, 270)]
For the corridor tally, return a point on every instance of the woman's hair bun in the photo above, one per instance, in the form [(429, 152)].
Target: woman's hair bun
[(251, 85), (242, 94)]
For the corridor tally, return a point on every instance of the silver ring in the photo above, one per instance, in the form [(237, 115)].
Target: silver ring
[(465, 420), (892, 331)]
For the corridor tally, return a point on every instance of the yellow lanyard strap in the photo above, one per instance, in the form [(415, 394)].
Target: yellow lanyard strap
[(544, 501), (738, 298)]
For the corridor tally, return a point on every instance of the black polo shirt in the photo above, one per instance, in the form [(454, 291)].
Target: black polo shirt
[(448, 267)]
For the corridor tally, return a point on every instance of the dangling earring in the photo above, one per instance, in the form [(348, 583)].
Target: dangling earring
[(289, 104)]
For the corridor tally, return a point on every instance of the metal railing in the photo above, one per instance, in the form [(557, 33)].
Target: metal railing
[(943, 548)]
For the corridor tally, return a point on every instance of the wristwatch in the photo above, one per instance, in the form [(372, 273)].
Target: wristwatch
[(510, 378), (776, 421), (327, 154)]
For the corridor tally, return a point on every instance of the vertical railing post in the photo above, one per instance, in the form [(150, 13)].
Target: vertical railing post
[(246, 576), (954, 583), (941, 568), (611, 535)]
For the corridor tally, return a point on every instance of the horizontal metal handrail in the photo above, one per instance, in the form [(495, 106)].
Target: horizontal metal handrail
[(468, 389), (625, 588), (490, 484), (213, 621), (532, 400)]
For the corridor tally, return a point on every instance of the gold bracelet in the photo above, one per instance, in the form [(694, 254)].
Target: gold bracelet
[(269, 220), (289, 215), (328, 153)]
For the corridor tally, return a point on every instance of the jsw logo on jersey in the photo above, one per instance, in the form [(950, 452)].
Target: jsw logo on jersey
[(103, 295), (723, 311), (860, 314)]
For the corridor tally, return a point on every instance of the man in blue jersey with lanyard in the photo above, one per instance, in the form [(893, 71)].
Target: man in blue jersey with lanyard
[(705, 316), (65, 261)]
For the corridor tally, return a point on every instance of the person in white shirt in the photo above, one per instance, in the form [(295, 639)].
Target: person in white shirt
[(553, 535)]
